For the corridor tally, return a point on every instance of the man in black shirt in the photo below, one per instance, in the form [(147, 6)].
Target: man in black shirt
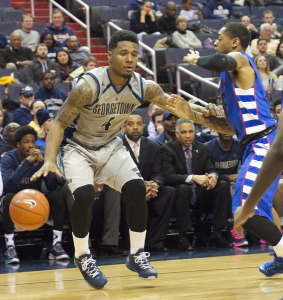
[(166, 23)]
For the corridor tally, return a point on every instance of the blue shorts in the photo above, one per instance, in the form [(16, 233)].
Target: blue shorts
[(253, 157)]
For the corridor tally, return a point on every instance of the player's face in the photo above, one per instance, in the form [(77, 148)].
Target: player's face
[(169, 124), (224, 44), (134, 127), (123, 59), (186, 134), (26, 144), (224, 137)]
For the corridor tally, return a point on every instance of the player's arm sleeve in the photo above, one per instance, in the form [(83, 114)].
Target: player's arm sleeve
[(218, 62), (12, 178)]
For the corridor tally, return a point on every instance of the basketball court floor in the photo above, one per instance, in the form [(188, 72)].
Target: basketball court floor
[(227, 274)]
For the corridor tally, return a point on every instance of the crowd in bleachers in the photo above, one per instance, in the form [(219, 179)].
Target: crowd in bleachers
[(46, 63)]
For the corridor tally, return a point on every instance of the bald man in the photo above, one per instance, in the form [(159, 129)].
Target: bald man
[(246, 20), (166, 23), (77, 55), (9, 133), (15, 57)]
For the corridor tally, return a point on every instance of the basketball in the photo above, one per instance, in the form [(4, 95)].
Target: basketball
[(29, 209)]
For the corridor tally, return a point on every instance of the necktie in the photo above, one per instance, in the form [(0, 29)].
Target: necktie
[(189, 171), (136, 151)]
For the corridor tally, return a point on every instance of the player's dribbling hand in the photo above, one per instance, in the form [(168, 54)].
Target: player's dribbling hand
[(192, 57), (241, 215), (45, 169)]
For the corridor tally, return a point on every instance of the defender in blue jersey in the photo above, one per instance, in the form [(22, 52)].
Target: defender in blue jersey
[(247, 110)]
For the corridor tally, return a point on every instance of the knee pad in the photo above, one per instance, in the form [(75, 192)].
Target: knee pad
[(84, 194), (134, 189)]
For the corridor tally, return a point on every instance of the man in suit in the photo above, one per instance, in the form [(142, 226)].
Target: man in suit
[(146, 154), (187, 166)]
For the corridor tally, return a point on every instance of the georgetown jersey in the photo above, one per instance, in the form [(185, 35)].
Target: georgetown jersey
[(247, 110), (101, 121)]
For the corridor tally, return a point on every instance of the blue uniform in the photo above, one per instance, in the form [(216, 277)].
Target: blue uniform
[(248, 113)]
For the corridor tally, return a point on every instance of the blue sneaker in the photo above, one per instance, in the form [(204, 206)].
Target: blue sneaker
[(272, 268), (92, 275), (11, 256), (57, 252), (139, 263)]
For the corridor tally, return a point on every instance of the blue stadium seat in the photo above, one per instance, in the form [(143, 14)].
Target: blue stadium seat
[(14, 90), (243, 9), (12, 15), (161, 8), (279, 12), (257, 11), (279, 21), (7, 72), (126, 25), (2, 92), (97, 2), (144, 112), (117, 13), (38, 26), (151, 39), (276, 94), (5, 3), (164, 2), (8, 27), (203, 36), (65, 86), (119, 2), (213, 23), (205, 51), (232, 20)]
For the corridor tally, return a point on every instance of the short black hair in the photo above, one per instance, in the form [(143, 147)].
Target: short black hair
[(159, 112), (260, 39), (42, 37), (120, 36), (70, 61), (277, 102), (186, 1), (23, 131), (48, 73), (240, 31), (136, 113)]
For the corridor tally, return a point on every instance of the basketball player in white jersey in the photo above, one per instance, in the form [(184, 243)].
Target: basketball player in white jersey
[(103, 99)]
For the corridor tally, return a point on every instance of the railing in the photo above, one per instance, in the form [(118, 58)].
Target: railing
[(86, 26), (32, 7), (151, 72), (182, 92)]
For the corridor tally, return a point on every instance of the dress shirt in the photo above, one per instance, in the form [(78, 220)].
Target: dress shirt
[(132, 144)]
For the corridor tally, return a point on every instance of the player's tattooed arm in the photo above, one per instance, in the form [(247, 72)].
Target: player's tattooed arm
[(80, 96), (211, 116)]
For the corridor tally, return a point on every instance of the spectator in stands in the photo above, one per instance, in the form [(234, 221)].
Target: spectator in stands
[(246, 20), (149, 128), (267, 17), (51, 96), (186, 165), (65, 65), (169, 124), (167, 23), (265, 33), (262, 47), (45, 119), (188, 12), (59, 29), (160, 198), (22, 114), (184, 38), (277, 106), (15, 57), (226, 155), (9, 134), (136, 4), (219, 9), (279, 53), (77, 55), (3, 40), (30, 38), (40, 65), (269, 79), (3, 141), (89, 63), (34, 107), (17, 166), (48, 39), (157, 121)]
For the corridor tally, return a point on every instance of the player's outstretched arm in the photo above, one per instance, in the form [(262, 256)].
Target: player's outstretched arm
[(271, 168), (80, 96), (210, 116)]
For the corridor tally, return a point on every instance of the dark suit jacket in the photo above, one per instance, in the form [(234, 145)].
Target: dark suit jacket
[(149, 159), (173, 162)]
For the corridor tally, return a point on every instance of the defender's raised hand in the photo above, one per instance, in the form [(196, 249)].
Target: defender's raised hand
[(178, 106), (192, 57)]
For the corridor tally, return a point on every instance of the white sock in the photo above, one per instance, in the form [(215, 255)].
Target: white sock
[(81, 246), (137, 241), (9, 239), (281, 221), (278, 249), (57, 236)]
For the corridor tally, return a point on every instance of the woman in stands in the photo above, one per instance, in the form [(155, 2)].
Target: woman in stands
[(48, 40), (3, 142), (45, 119), (269, 79), (184, 38), (279, 52), (65, 65)]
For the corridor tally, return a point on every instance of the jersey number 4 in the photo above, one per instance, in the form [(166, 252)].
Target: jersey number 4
[(108, 124)]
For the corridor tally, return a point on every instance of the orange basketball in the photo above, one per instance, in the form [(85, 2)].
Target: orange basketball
[(29, 209)]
